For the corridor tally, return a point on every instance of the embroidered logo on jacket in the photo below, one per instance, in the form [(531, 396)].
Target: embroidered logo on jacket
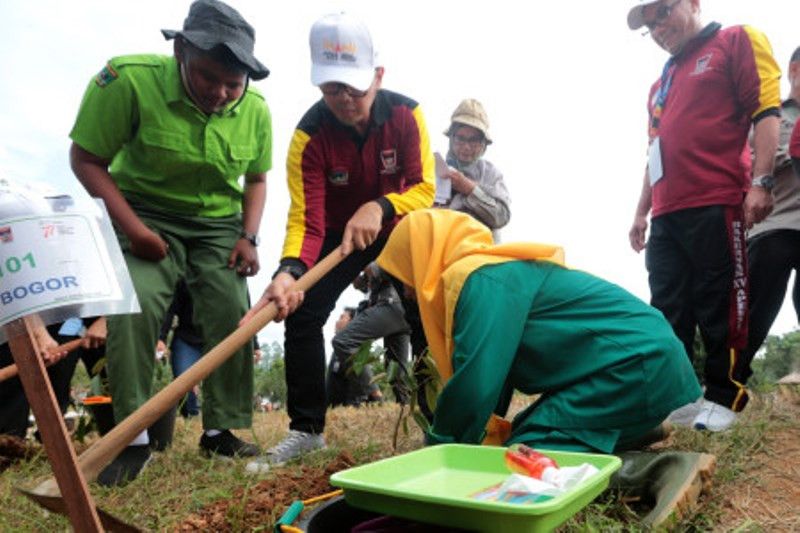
[(702, 65), (389, 161), (339, 177)]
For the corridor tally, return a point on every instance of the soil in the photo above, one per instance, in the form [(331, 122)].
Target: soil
[(13, 449), (264, 503), (765, 497)]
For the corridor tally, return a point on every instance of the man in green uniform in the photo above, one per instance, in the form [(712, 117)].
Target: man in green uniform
[(164, 142)]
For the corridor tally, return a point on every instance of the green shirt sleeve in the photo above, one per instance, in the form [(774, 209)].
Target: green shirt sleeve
[(489, 321), (107, 116), (262, 162)]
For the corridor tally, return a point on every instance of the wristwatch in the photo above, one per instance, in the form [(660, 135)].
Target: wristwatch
[(766, 181), (252, 238), (295, 271)]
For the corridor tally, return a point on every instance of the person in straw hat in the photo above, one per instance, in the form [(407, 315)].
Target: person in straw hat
[(476, 185)]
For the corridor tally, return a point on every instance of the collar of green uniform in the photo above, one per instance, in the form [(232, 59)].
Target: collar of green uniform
[(174, 91)]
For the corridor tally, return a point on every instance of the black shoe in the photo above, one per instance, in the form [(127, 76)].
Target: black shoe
[(227, 444), (124, 469)]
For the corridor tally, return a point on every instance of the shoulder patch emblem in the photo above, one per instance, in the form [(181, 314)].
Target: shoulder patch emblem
[(106, 76)]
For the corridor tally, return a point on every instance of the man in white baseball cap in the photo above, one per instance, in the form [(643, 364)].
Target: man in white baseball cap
[(359, 160), (699, 193), (342, 51), (636, 15)]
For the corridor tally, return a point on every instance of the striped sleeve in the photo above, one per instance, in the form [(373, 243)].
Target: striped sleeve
[(419, 166), (305, 227), (758, 74)]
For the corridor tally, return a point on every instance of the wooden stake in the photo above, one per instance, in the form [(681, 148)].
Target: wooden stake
[(24, 349)]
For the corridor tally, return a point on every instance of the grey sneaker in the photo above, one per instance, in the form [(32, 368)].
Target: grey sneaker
[(295, 444), (684, 416), (714, 417)]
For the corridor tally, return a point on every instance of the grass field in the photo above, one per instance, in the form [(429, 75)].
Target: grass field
[(755, 485)]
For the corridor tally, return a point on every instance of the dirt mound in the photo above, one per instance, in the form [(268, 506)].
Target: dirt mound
[(264, 503), (13, 449)]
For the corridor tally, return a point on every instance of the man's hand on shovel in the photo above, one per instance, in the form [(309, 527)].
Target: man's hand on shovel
[(281, 292), (99, 454), (50, 355)]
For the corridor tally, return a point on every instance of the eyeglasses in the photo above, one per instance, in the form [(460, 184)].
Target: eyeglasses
[(335, 88), (478, 140), (662, 13)]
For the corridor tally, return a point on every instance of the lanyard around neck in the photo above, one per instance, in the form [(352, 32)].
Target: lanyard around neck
[(661, 98)]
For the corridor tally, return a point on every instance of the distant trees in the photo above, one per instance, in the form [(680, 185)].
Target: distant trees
[(270, 377), (270, 372), (780, 356)]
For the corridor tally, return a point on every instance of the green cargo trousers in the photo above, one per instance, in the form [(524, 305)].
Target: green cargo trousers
[(198, 252)]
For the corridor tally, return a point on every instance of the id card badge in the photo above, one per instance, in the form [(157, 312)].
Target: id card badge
[(654, 167)]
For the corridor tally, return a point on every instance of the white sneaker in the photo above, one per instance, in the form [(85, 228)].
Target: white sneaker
[(684, 416), (295, 444), (714, 417)]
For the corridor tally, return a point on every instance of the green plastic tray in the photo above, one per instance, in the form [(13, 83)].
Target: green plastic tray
[(435, 485)]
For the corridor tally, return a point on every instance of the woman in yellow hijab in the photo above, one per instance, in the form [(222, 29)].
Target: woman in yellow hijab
[(512, 317)]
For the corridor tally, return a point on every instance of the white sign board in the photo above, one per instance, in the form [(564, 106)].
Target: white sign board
[(53, 260)]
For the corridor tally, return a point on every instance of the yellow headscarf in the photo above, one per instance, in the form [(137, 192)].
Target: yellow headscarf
[(434, 251)]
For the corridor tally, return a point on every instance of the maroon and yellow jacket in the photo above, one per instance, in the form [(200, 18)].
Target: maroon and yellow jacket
[(332, 171), (724, 81)]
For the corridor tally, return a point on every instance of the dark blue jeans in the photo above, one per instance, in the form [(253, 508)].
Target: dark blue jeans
[(182, 357)]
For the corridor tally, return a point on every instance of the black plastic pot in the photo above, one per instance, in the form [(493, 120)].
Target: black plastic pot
[(161, 431), (103, 415), (336, 515)]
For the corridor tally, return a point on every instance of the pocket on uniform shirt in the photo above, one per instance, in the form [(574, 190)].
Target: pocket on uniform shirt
[(165, 140), (240, 156)]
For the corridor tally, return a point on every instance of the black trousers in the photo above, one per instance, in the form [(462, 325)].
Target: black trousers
[(304, 343), (697, 265), (14, 407), (772, 255)]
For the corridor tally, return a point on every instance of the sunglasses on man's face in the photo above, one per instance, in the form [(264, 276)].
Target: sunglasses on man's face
[(335, 88), (663, 12)]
